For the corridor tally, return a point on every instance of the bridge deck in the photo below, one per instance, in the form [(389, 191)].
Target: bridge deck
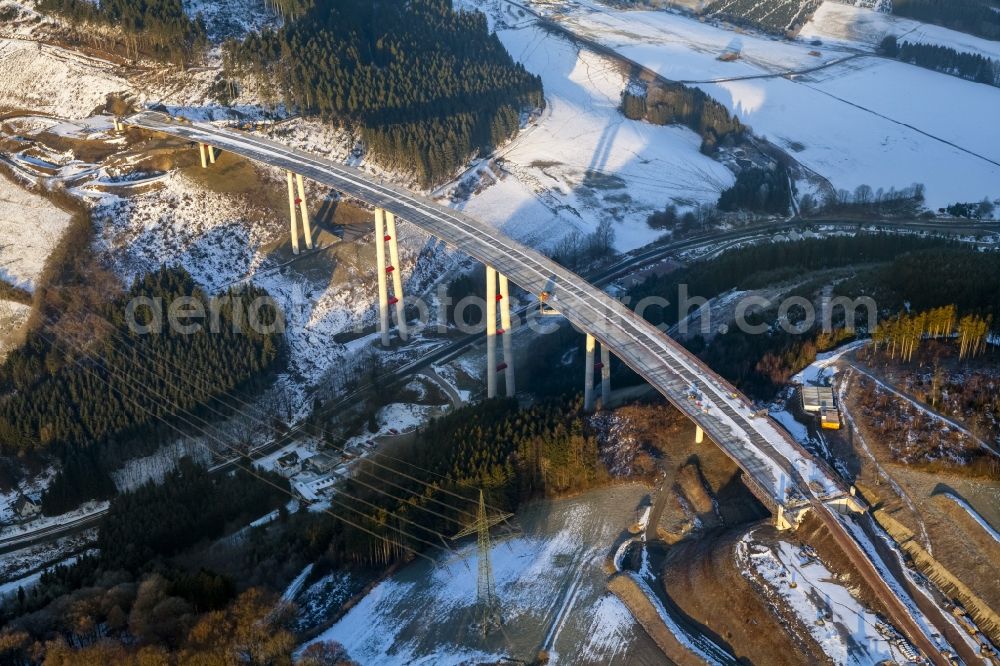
[(757, 444)]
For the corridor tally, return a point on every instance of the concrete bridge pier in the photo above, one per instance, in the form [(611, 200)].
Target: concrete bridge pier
[(397, 276), (506, 335), (493, 299), (699, 435), (211, 153), (385, 232), (291, 209), (380, 267), (588, 377), (201, 151), (301, 200)]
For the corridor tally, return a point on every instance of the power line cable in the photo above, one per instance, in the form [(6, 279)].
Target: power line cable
[(249, 470)]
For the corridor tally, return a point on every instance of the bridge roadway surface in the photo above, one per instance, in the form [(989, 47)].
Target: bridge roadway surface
[(752, 442)]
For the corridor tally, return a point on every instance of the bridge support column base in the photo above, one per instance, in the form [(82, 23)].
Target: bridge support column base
[(291, 212), (493, 299), (383, 288), (588, 374), (781, 522), (201, 150), (699, 435), (306, 229), (397, 275)]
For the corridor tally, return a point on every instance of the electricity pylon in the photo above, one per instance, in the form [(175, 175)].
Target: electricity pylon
[(486, 593)]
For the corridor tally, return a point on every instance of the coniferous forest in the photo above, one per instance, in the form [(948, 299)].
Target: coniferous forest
[(158, 28), (964, 279), (93, 406), (971, 66), (978, 17), (426, 86), (666, 105), (759, 190)]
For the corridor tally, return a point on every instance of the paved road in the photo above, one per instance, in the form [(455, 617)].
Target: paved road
[(51, 532)]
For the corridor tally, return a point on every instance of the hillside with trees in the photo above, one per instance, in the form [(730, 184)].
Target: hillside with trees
[(84, 405), (762, 364), (970, 66), (152, 582), (427, 87), (977, 17), (759, 190), (155, 28), (663, 104)]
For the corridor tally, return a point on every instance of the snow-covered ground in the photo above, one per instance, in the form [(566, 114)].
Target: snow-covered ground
[(30, 487), (849, 26), (682, 48), (396, 418), (51, 79), (845, 630), (82, 511), (549, 581), (20, 563), (582, 162), (824, 368), (30, 228), (9, 590), (863, 121)]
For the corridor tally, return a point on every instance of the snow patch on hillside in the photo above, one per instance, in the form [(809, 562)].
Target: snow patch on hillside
[(847, 25), (30, 228), (50, 79), (861, 120), (844, 629), (582, 161)]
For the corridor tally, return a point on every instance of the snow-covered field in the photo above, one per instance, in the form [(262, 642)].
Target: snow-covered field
[(30, 227), (844, 629), (549, 581), (582, 162), (861, 121), (50, 79), (682, 48), (850, 26)]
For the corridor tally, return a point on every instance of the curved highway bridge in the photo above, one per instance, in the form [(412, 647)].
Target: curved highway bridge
[(760, 447), (779, 472)]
